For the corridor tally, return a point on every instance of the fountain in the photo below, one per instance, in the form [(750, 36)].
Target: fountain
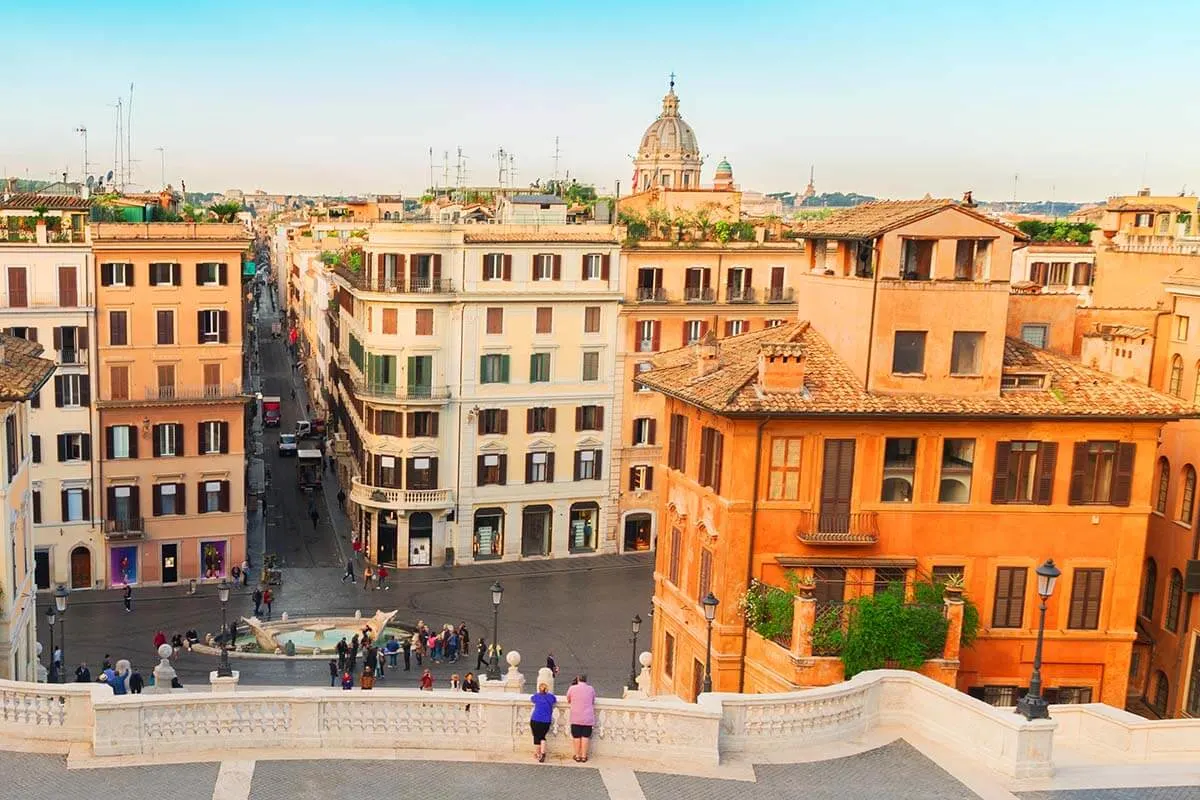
[(318, 634)]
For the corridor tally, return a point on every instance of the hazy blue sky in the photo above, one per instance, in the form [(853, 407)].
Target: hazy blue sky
[(895, 99)]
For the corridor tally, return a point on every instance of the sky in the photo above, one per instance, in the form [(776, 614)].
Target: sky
[(1063, 100)]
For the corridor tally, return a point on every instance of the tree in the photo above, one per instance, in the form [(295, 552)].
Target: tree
[(225, 212)]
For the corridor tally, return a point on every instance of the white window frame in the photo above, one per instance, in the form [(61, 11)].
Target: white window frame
[(120, 273), (173, 274), (74, 497), (587, 465), (584, 366), (693, 329), (738, 326), (210, 327), (168, 435), (641, 471), (216, 273), (211, 497), (72, 391), (641, 430), (170, 490), (538, 471), (593, 266), (493, 266), (543, 267), (119, 451), (645, 336), (642, 366), (74, 445), (213, 438)]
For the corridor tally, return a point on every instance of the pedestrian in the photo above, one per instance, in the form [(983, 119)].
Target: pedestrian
[(160, 639), (581, 697), (82, 673), (314, 516), (481, 657), (406, 646), (342, 648), (470, 683), (257, 597), (455, 683), (268, 599), (353, 652), (381, 577), (57, 660), (368, 677), (136, 683), (128, 598), (357, 547), (246, 572), (308, 410), (452, 645), (426, 681), (418, 645), (347, 680), (348, 575), (464, 639), (341, 498), (550, 665), (435, 648), (331, 463), (393, 651), (233, 630), (540, 719), (367, 576), (381, 662), (107, 662)]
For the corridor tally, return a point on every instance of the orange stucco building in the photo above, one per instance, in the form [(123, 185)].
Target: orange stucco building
[(894, 434), (171, 401)]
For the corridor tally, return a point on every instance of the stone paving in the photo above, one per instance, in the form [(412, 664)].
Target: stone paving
[(42, 777), (1138, 793)]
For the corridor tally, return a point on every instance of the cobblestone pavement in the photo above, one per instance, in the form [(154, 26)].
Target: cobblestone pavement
[(41, 777), (1147, 793)]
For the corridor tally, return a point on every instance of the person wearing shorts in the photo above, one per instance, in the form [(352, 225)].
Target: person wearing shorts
[(540, 719), (582, 699)]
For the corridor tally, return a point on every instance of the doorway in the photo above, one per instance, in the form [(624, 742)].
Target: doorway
[(535, 530), (420, 539), (170, 563), (837, 481), (389, 524), (637, 533), (41, 568), (81, 568)]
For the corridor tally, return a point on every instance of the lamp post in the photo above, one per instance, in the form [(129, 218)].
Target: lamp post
[(223, 670), (710, 603), (637, 626), (52, 676), (493, 673), (60, 604), (1033, 705)]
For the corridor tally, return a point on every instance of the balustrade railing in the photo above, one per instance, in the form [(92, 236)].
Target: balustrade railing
[(824, 527)]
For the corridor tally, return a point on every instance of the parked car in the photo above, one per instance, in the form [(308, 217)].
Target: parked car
[(287, 444)]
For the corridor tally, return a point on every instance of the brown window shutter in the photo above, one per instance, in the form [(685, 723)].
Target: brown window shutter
[(649, 486), (482, 428), (583, 267), (223, 274), (503, 469), (62, 496), (557, 267), (683, 332), (656, 338), (1123, 480), (199, 328), (599, 418), (223, 326), (599, 463), (85, 390), (177, 275), (551, 416), (57, 338), (717, 454), (156, 500), (529, 420), (479, 470), (87, 504), (508, 266), (578, 418), (111, 502), (433, 423), (81, 337), (1078, 473), (1048, 459), (135, 501), (604, 267), (181, 498), (578, 462), (224, 495), (154, 440), (201, 437), (1000, 473), (410, 421), (504, 420), (200, 497), (529, 467), (224, 437), (133, 441), (437, 269), (549, 467), (410, 477), (106, 274), (199, 274), (653, 437)]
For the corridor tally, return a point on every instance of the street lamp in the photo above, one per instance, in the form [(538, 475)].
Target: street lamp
[(493, 673), (637, 626), (710, 603), (53, 674), (60, 603), (1033, 705), (223, 670)]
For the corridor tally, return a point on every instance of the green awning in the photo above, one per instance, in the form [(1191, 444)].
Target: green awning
[(250, 270)]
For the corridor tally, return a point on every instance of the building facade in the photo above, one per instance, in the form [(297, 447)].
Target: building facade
[(171, 430)]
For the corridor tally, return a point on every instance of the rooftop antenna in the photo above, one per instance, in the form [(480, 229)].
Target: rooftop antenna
[(432, 182), (129, 137), (117, 139), (1016, 181), (501, 163), (557, 154), (512, 170), (446, 169), (82, 131), (460, 174), (162, 156)]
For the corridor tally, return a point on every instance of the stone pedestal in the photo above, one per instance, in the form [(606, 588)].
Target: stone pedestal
[(954, 618), (547, 677), (644, 681), (487, 686), (513, 680), (223, 685), (804, 615), (164, 673)]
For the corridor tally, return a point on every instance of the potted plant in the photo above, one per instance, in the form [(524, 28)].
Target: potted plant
[(806, 586), (953, 588)]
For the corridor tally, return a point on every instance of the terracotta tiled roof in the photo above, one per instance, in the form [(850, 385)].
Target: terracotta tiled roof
[(27, 201), (1122, 331), (873, 219), (831, 389), (1135, 206), (21, 371), (606, 236)]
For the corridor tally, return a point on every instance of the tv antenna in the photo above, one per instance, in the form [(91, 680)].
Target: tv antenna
[(82, 131), (162, 158), (557, 154)]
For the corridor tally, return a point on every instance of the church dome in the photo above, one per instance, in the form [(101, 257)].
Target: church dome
[(724, 168), (669, 136)]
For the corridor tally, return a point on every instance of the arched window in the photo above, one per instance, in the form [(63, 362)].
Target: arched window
[(1174, 599), (1188, 501), (1149, 587), (1175, 385), (1164, 483), (1162, 693)]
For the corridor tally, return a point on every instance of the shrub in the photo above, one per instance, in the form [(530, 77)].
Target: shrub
[(769, 610)]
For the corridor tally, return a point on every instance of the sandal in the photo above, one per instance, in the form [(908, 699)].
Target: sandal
[(583, 760), (541, 757), (575, 757)]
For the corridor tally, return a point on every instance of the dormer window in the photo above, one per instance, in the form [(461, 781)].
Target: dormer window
[(1028, 380)]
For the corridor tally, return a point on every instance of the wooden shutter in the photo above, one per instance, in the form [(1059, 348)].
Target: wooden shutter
[(224, 499), (648, 485), (529, 421), (133, 441), (224, 427), (65, 506), (112, 501), (156, 500), (718, 447), (480, 470), (18, 295), (223, 274), (202, 437), (1087, 586), (1123, 480), (58, 390), (36, 444), (85, 446), (551, 416), (85, 390), (199, 276), (390, 316), (481, 422), (503, 469), (1047, 460), (599, 418), (108, 443), (578, 418), (1079, 459), (583, 262), (155, 441), (653, 433), (106, 274), (483, 275), (436, 260), (504, 368), (549, 467), (180, 498), (1008, 610), (62, 447), (557, 261), (81, 337), (503, 420), (529, 467), (57, 336), (507, 266), (135, 501), (604, 267), (177, 274), (433, 423), (223, 326), (1000, 473), (598, 459), (578, 465), (656, 335)]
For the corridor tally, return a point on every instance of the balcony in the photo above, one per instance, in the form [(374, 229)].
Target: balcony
[(739, 294), (373, 390), (394, 285), (125, 529), (206, 393), (826, 528), (781, 294), (651, 294), (699, 294), (365, 494)]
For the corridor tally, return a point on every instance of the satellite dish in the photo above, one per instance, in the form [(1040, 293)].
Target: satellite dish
[(108, 177), (91, 181)]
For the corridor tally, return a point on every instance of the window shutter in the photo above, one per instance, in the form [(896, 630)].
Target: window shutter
[(557, 267), (1078, 472), (85, 390), (135, 501), (649, 485), (200, 509), (129, 273), (85, 446), (106, 274), (35, 400), (224, 495), (66, 508), (177, 274), (58, 391), (504, 420), (200, 327), (683, 331), (133, 442), (199, 274), (112, 501), (433, 423), (155, 443), (482, 428), (181, 498), (1000, 473), (604, 267), (479, 470), (549, 467), (36, 444), (578, 418), (87, 504), (81, 337), (483, 275), (202, 437), (223, 326), (717, 454), (224, 427), (656, 338), (529, 420), (1045, 478), (108, 442), (504, 362), (1123, 480), (62, 447), (599, 418), (410, 420), (436, 261), (223, 274), (578, 463), (503, 469), (599, 463), (57, 338), (529, 467), (551, 417), (507, 267), (583, 261), (156, 500), (653, 431)]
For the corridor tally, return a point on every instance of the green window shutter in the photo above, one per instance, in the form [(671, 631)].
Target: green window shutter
[(504, 369), (483, 376)]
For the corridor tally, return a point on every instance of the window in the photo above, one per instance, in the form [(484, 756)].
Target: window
[(211, 274), (495, 321), (958, 461), (1024, 472), (74, 501), (74, 447), (971, 259), (165, 326), (591, 319), (1100, 473), (118, 328), (116, 274), (591, 366), (210, 326), (641, 478), (1164, 485), (493, 368), (642, 366), (493, 421), (168, 440), (547, 267), (965, 354), (1174, 600), (122, 442), (539, 368), (18, 287), (539, 467), (1143, 220), (704, 579), (35, 444), (1001, 696), (648, 336), (885, 577), (593, 267), (775, 323), (166, 381), (1060, 273), (1175, 382), (1022, 381), (589, 418), (11, 440), (908, 354), (712, 442), (165, 275), (1069, 695), (71, 342), (1086, 588), (422, 424), (1035, 334), (669, 655), (543, 320), (1149, 587), (585, 522), (733, 327), (537, 530), (1162, 693), (424, 322), (674, 556), (917, 259), (693, 330), (899, 470), (488, 539), (643, 430), (71, 391), (1193, 697), (214, 497), (168, 498), (390, 323), (497, 267), (783, 483), (1181, 328), (1009, 608), (1187, 499), (491, 470), (422, 473), (587, 464), (1196, 387), (386, 423), (539, 420), (942, 573), (1085, 275), (677, 446)]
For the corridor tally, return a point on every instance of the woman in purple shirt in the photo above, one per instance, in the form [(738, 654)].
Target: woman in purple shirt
[(539, 721)]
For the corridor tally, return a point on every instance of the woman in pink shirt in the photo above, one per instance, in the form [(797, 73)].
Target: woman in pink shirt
[(582, 699)]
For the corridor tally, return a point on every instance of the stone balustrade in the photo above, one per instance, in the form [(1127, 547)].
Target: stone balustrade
[(1120, 736)]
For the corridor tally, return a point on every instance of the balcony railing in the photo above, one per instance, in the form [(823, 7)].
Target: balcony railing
[(852, 528), (740, 294), (407, 499), (39, 300), (651, 294), (398, 285), (129, 528), (220, 392), (389, 391), (781, 294), (699, 294)]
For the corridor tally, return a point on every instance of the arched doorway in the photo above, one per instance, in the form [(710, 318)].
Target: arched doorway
[(420, 539), (81, 568), (637, 532)]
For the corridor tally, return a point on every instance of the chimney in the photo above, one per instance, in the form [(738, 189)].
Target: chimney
[(708, 355), (968, 200), (781, 367)]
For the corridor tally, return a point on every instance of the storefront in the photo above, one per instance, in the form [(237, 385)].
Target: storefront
[(123, 564), (585, 521), (213, 561), (488, 537), (420, 539)]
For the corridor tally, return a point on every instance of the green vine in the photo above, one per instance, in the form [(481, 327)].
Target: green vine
[(769, 610)]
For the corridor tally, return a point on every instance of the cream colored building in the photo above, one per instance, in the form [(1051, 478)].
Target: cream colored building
[(668, 156), (475, 381)]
